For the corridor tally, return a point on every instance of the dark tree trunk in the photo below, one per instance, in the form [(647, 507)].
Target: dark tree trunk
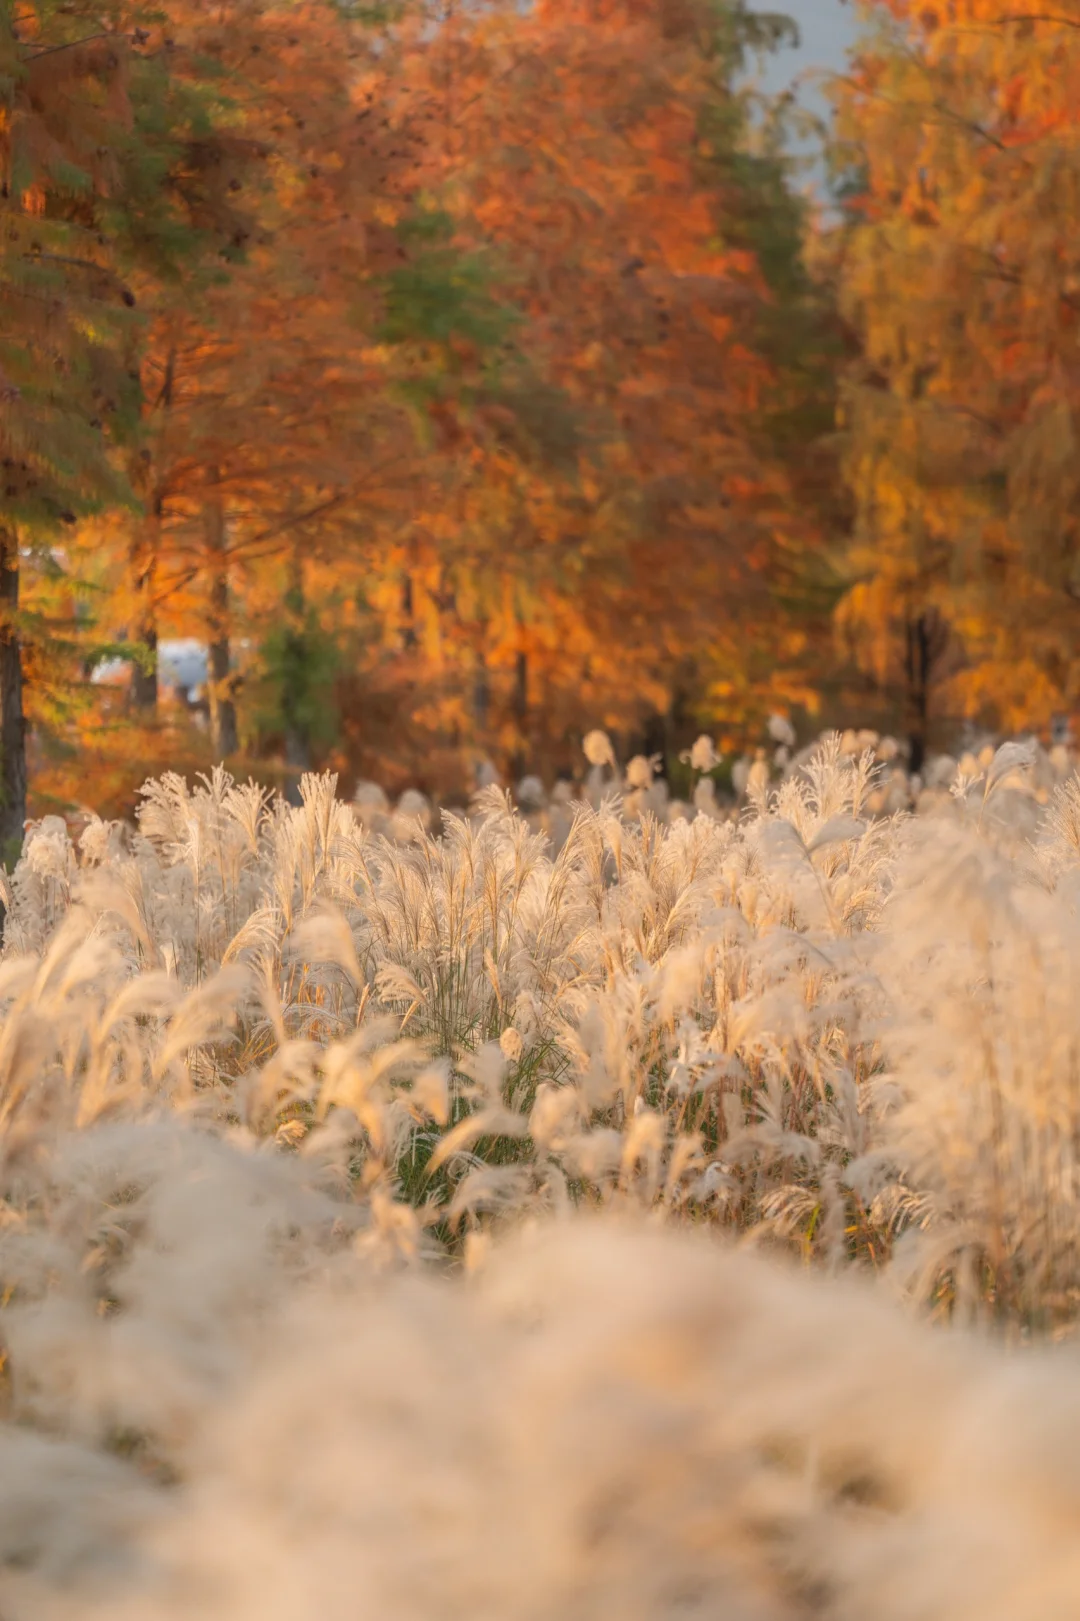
[(12, 718), (297, 762), (223, 730), (656, 738), (144, 558), (927, 637), (408, 613), (481, 703), (297, 735), (521, 690), (520, 762), (143, 563)]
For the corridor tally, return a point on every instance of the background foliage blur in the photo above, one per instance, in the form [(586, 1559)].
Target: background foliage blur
[(461, 376)]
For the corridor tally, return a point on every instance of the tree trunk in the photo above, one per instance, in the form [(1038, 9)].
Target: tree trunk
[(223, 731), (656, 737), (144, 558), (145, 549), (12, 717), (297, 738), (927, 637), (520, 762), (481, 699), (521, 690), (408, 613), (297, 762)]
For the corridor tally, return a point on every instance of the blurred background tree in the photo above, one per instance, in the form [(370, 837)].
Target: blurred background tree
[(511, 385), (958, 268)]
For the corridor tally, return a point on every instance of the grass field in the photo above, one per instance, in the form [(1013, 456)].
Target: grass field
[(591, 1209)]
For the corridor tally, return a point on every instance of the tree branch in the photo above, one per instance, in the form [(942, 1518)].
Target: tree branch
[(71, 45), (1011, 18)]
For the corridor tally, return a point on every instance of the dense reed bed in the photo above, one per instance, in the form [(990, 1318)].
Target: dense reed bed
[(407, 1219)]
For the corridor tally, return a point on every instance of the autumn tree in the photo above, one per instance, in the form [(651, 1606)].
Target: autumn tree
[(109, 160), (272, 435), (62, 335), (214, 350), (601, 159), (959, 271), (484, 391)]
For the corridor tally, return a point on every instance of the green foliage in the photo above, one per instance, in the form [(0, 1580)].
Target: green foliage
[(299, 664), (441, 293), (737, 33)]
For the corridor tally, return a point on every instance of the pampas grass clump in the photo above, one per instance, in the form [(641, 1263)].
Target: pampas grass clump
[(407, 1218)]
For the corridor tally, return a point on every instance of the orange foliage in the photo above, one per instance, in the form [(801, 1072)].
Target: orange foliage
[(486, 381), (960, 271), (628, 554)]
